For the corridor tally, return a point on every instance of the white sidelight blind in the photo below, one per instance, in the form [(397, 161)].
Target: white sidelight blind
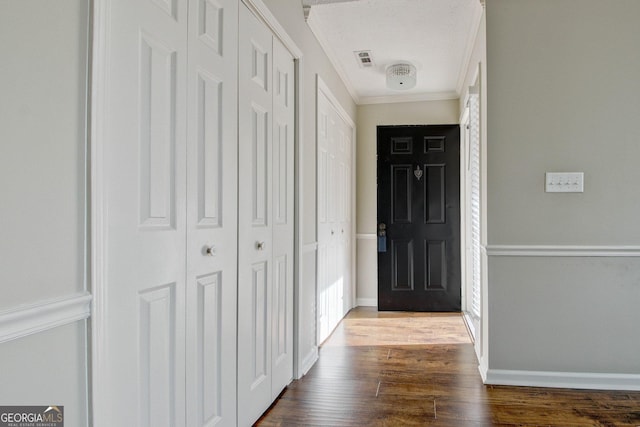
[(474, 166)]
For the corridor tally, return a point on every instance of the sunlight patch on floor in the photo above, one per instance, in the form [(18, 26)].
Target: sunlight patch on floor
[(399, 329)]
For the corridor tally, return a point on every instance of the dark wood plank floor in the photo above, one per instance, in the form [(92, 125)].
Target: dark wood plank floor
[(415, 369)]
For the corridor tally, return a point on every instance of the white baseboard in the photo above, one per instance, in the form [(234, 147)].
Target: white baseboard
[(577, 380), (307, 363), (366, 302), (26, 320)]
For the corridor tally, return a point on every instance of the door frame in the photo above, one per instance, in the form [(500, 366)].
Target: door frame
[(98, 210)]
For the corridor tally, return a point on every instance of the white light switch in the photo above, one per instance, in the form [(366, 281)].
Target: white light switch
[(564, 182)]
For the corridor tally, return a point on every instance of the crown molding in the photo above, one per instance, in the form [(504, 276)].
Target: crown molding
[(321, 38), (471, 41)]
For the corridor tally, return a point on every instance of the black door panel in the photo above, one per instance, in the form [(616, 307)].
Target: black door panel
[(419, 216)]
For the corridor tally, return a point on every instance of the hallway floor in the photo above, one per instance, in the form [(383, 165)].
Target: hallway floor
[(403, 369)]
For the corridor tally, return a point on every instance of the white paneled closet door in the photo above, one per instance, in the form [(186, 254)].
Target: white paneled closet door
[(265, 229), (211, 286), (165, 350), (334, 217)]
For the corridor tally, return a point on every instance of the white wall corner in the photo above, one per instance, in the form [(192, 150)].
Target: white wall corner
[(30, 319), (575, 380)]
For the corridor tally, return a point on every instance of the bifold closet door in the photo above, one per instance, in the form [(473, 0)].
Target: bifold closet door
[(212, 150), (166, 165), (334, 217), (265, 230)]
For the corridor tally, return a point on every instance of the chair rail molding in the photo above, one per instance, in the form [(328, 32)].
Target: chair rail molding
[(29, 319), (562, 251)]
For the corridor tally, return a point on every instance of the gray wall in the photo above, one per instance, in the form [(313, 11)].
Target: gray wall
[(564, 95), (43, 78)]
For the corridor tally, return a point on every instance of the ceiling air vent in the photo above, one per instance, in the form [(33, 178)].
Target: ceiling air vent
[(364, 58)]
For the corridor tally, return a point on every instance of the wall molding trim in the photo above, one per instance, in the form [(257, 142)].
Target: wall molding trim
[(322, 40), (562, 251), (577, 380), (367, 302), (30, 319), (366, 236)]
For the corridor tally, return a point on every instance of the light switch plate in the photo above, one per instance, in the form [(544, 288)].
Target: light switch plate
[(564, 182)]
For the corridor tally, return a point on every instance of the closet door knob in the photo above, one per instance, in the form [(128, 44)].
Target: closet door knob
[(210, 250), (260, 246)]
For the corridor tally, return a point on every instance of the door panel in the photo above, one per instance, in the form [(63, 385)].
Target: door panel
[(170, 214), (419, 215), (283, 218), (254, 228), (334, 217), (265, 231), (143, 357), (211, 214)]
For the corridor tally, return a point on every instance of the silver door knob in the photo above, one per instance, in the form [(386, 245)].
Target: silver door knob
[(210, 250), (260, 246)]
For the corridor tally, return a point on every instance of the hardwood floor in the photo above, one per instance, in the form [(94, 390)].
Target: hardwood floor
[(415, 369)]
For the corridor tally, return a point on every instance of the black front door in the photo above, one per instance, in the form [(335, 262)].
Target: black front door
[(419, 218)]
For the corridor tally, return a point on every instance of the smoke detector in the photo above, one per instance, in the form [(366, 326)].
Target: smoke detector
[(364, 58), (401, 76)]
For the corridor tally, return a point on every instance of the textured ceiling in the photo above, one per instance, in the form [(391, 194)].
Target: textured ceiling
[(434, 35)]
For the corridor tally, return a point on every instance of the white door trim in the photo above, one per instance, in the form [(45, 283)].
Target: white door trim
[(98, 124)]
